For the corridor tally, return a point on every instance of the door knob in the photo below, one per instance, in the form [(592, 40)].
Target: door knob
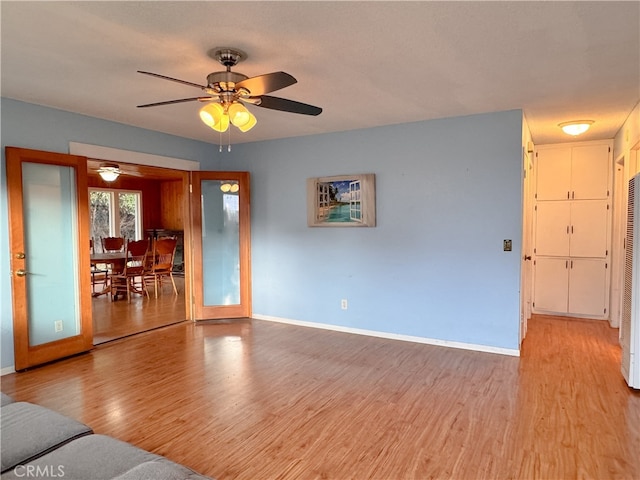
[(527, 257), (21, 273), (20, 256)]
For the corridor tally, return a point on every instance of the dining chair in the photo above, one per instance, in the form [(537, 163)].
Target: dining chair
[(161, 262), (99, 274), (112, 244), (131, 279)]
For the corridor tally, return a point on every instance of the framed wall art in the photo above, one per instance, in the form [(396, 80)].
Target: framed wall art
[(342, 201)]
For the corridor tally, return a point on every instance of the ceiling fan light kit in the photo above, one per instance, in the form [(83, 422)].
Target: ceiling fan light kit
[(238, 114), (228, 92), (214, 116), (575, 127), (249, 125), (109, 172)]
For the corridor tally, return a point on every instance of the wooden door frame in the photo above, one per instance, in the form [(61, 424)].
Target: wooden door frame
[(199, 310), (160, 174), (526, 276), (25, 355)]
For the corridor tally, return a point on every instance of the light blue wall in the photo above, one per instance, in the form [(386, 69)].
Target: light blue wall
[(448, 193), (32, 126)]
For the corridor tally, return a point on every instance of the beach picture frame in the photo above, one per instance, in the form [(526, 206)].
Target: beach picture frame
[(342, 201)]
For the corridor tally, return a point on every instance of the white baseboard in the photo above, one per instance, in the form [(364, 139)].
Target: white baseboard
[(392, 336), (370, 333)]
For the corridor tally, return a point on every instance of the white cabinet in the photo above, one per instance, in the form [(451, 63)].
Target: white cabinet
[(587, 286), (589, 228), (553, 174), (551, 284), (552, 228), (572, 228), (572, 235), (571, 286), (590, 171), (573, 173)]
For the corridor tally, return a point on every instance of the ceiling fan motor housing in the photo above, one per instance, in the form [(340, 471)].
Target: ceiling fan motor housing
[(224, 78), (227, 56)]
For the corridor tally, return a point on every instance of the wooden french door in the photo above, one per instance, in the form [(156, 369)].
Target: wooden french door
[(50, 267), (221, 239)]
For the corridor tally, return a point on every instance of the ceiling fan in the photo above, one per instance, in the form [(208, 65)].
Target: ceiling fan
[(109, 171), (228, 91)]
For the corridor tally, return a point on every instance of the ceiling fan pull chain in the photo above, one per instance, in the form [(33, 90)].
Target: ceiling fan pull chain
[(229, 141)]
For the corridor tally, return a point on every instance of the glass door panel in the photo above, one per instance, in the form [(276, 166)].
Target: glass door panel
[(50, 266), (221, 233), (221, 242), (49, 199)]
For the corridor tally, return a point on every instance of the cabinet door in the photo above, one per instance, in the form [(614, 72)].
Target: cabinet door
[(553, 220), (551, 284), (590, 170), (589, 228), (553, 174), (587, 286)]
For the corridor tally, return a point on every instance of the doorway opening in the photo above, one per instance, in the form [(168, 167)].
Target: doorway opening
[(144, 202)]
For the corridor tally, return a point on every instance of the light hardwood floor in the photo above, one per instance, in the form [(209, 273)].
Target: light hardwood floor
[(254, 400), (117, 319)]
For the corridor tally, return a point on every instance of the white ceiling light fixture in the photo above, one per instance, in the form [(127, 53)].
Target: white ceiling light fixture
[(109, 171), (575, 127)]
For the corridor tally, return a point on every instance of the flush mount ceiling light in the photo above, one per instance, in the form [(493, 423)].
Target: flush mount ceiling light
[(109, 171), (575, 127)]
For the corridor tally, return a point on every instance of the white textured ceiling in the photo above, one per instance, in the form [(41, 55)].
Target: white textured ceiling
[(365, 63)]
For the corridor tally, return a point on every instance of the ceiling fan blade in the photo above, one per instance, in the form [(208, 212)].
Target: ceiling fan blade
[(277, 103), (184, 82), (180, 100), (269, 82)]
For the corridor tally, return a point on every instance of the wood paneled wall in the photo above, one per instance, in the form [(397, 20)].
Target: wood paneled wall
[(171, 211), (162, 200)]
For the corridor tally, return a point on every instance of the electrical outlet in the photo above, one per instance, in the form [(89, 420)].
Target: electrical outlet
[(58, 325), (343, 304), (506, 245)]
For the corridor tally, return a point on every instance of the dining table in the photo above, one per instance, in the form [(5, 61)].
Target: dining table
[(114, 259)]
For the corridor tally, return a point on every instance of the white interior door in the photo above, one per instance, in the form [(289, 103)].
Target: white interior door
[(527, 244)]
